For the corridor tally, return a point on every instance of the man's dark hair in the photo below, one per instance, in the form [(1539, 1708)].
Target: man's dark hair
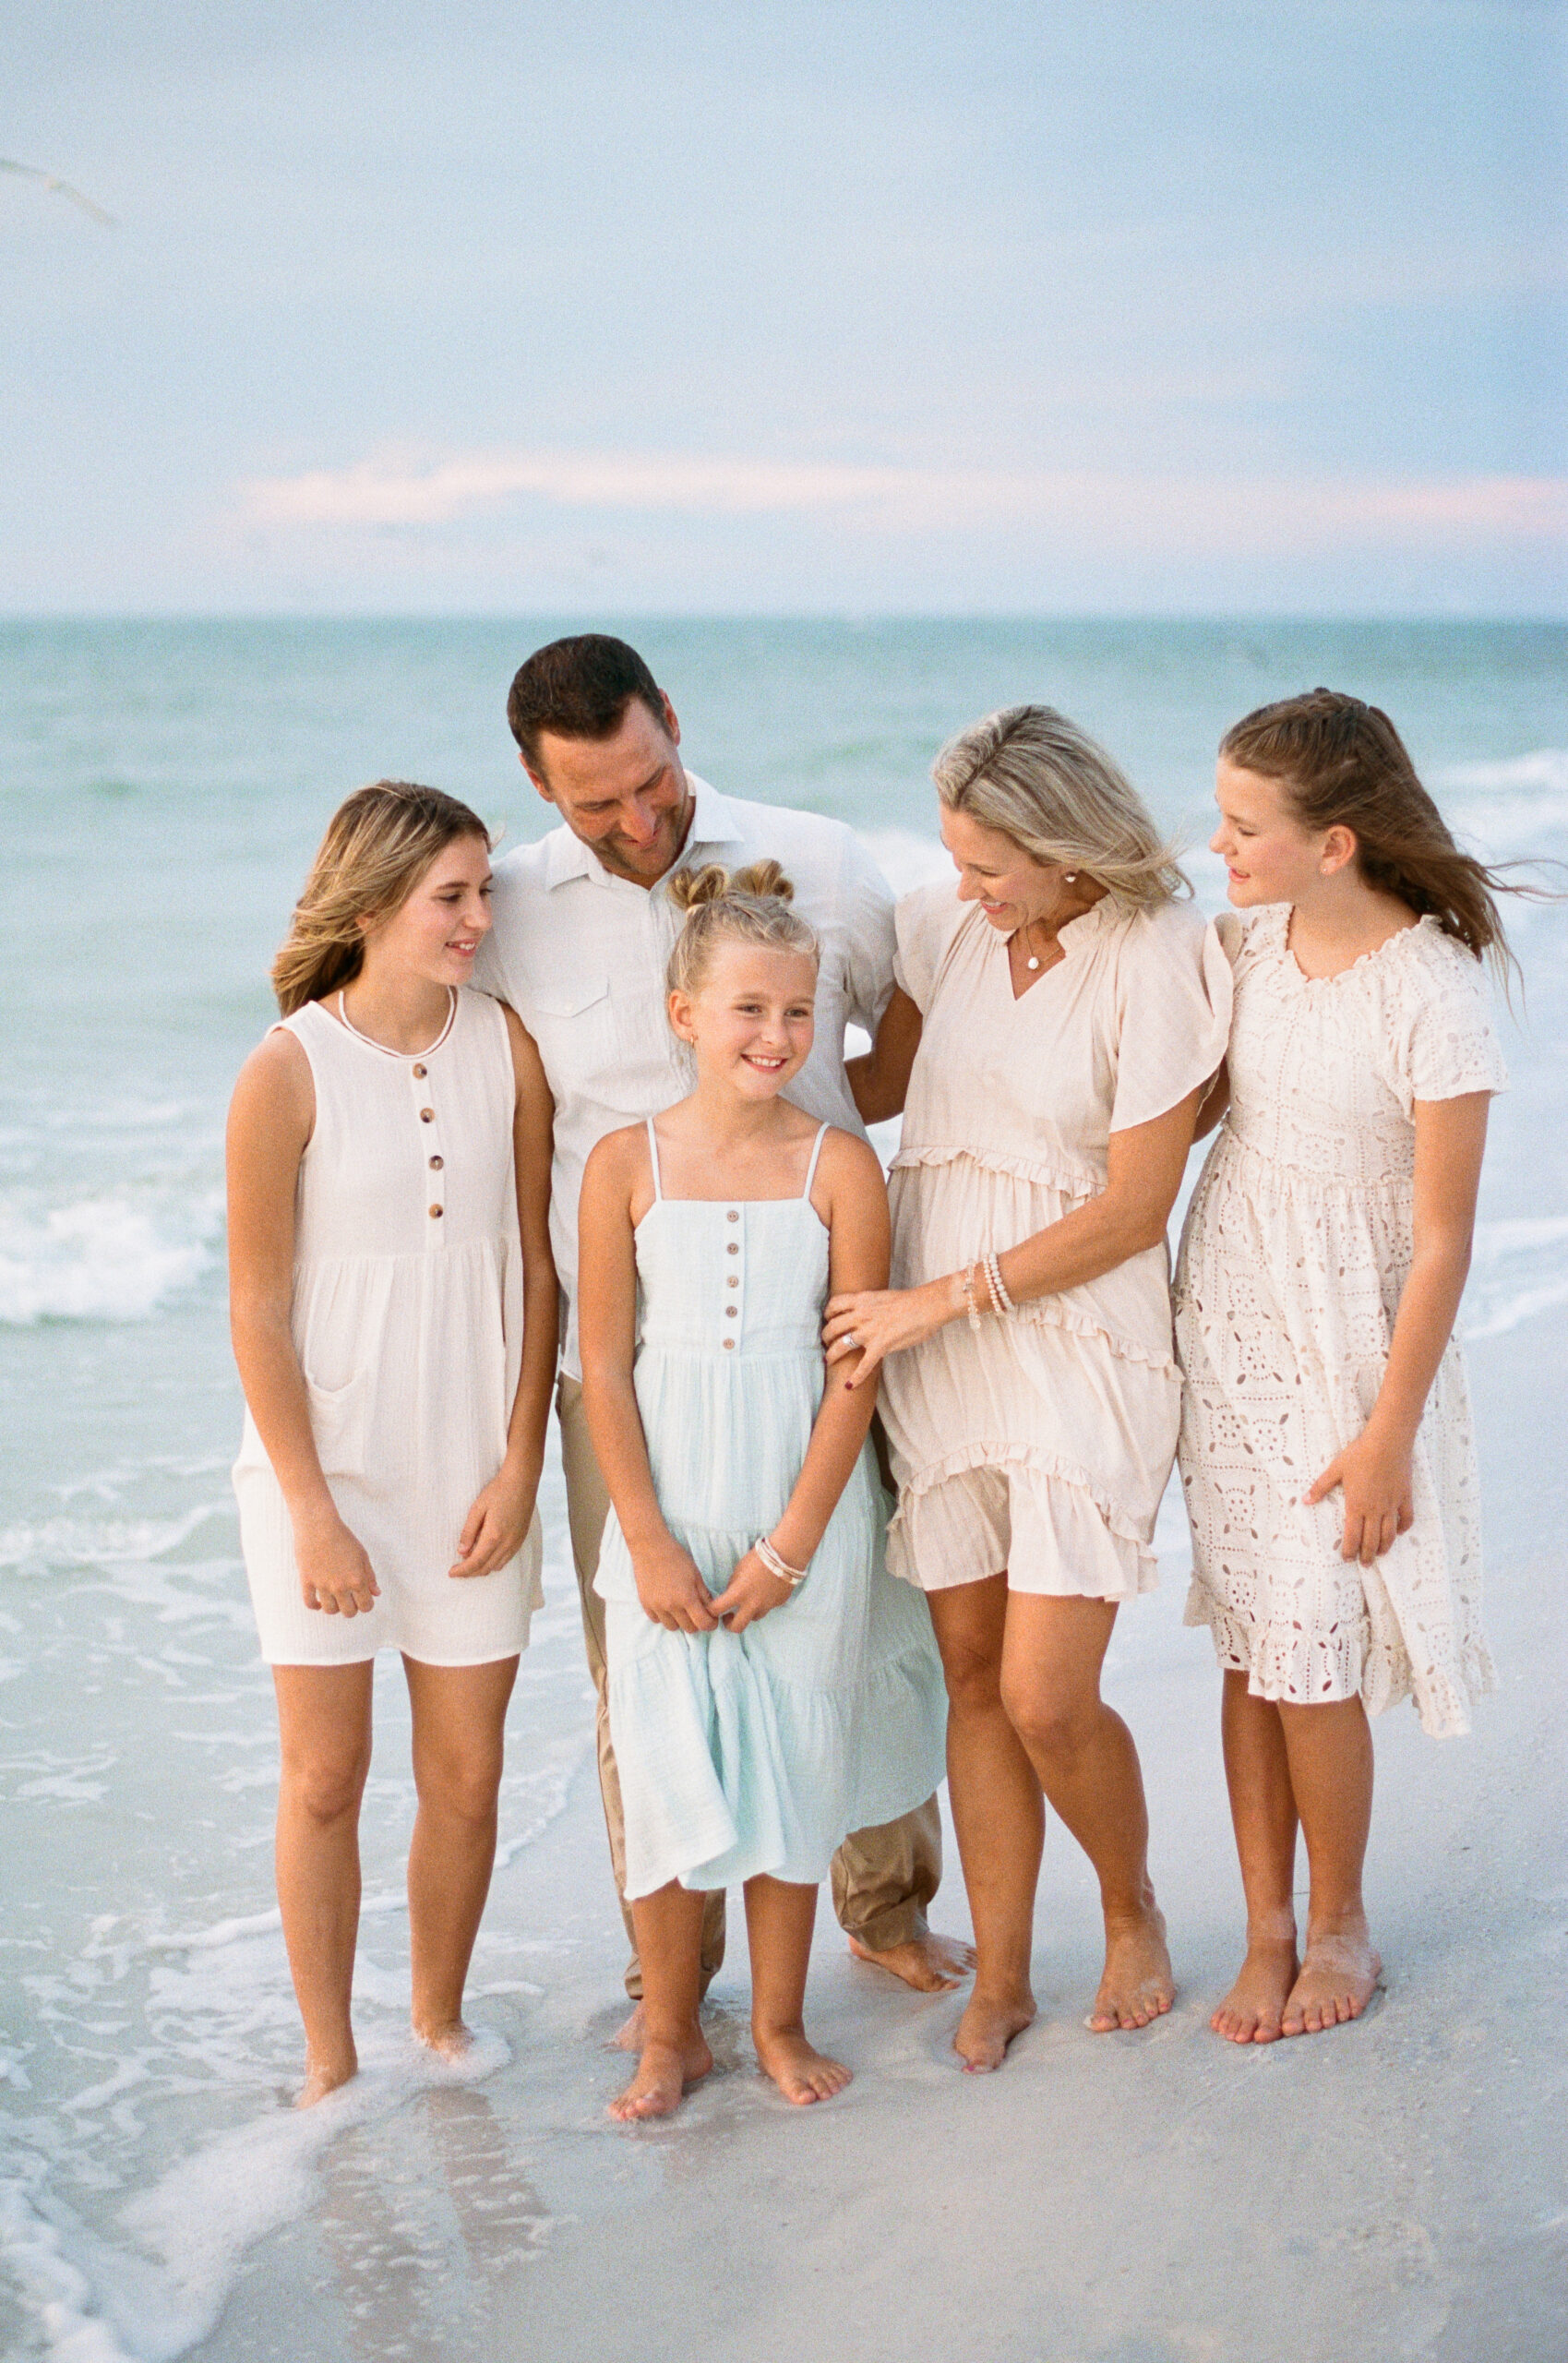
[(577, 689)]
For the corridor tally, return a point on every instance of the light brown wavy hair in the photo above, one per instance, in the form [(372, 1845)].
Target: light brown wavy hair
[(380, 842), (1033, 775), (1343, 764), (750, 906)]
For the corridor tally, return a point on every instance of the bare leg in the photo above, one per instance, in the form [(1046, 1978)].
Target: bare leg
[(998, 1815), (458, 1715), (1330, 1749), (669, 1945), (1084, 1755), (324, 1734), (1262, 1810), (779, 1919)]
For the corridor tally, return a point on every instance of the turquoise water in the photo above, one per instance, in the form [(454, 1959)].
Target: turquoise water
[(164, 786)]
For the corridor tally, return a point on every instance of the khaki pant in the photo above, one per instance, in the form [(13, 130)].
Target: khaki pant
[(882, 1877)]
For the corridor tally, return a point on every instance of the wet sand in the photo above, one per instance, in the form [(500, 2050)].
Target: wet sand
[(1394, 2189)]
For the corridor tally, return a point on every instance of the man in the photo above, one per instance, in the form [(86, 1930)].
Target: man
[(583, 933)]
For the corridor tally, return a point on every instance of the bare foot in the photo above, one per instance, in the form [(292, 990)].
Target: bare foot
[(932, 1964), (631, 2037), (1253, 2009), (987, 2027), (322, 2077), (663, 2074), (1339, 1975), (1137, 1985), (802, 2075), (449, 2042)]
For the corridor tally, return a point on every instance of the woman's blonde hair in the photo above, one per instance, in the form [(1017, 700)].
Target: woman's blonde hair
[(1035, 776), (750, 906), (380, 842)]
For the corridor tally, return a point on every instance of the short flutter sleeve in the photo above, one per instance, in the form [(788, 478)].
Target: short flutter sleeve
[(1444, 1044), (1173, 1012), (925, 921)]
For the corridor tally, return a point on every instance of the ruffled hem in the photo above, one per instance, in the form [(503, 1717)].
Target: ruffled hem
[(1292, 1666), (729, 1770), (1072, 1535), (1060, 1312), (1079, 1183)]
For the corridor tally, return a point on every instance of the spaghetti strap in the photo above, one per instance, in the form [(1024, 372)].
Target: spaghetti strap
[(822, 1131), (654, 1154)]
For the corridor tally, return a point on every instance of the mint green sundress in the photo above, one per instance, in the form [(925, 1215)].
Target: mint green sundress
[(742, 1752)]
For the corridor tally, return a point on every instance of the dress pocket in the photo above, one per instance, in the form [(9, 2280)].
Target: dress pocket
[(338, 1424)]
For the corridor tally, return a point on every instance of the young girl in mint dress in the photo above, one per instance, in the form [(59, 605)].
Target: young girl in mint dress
[(771, 1687)]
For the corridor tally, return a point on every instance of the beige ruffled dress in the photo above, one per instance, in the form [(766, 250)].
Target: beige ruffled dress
[(1040, 1444)]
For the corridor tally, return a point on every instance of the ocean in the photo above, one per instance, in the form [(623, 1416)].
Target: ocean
[(164, 786)]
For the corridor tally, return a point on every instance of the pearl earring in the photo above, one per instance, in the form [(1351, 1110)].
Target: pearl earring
[(1070, 878)]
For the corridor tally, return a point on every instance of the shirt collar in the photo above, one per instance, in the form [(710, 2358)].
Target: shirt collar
[(714, 821)]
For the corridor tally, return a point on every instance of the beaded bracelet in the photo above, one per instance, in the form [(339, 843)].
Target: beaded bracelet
[(970, 1307), (776, 1566), (999, 1297)]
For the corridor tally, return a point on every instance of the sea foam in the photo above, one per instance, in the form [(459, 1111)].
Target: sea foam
[(100, 1259), (98, 2301)]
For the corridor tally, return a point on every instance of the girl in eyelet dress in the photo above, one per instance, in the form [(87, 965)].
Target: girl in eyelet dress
[(771, 1687), (1326, 1447)]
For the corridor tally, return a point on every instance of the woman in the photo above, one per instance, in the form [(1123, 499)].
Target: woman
[(393, 1304), (1058, 1016)]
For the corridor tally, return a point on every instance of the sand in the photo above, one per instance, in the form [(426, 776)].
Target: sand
[(1394, 2189)]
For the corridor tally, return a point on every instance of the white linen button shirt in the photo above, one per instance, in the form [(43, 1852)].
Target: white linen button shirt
[(580, 955)]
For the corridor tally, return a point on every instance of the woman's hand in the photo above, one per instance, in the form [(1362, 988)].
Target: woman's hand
[(1379, 1506), (496, 1527), (875, 1322), (335, 1575), (670, 1588), (752, 1591)]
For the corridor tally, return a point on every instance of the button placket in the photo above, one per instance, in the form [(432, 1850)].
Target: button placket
[(434, 1174), (731, 1295)]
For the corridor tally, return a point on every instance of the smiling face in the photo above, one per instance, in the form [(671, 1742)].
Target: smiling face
[(996, 872), (626, 795), (751, 1019), (1269, 857), (436, 931)]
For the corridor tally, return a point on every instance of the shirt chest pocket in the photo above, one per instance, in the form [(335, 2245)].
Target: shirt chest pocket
[(573, 1022)]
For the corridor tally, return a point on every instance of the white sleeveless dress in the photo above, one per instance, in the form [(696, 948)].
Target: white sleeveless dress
[(743, 1753), (408, 1323)]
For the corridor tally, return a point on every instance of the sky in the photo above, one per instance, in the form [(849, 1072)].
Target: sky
[(695, 307)]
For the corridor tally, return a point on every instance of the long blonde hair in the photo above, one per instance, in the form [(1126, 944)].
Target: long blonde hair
[(1030, 773), (750, 906), (380, 842)]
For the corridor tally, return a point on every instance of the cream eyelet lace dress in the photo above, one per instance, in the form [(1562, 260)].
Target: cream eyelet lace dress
[(1296, 1249)]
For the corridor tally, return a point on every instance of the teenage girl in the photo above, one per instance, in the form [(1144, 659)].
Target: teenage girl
[(771, 1687), (1326, 1446), (393, 1302)]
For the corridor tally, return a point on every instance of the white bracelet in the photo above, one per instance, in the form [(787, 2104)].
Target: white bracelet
[(776, 1566), (999, 1296)]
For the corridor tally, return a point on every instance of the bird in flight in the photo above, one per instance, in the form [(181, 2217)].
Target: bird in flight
[(53, 181)]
